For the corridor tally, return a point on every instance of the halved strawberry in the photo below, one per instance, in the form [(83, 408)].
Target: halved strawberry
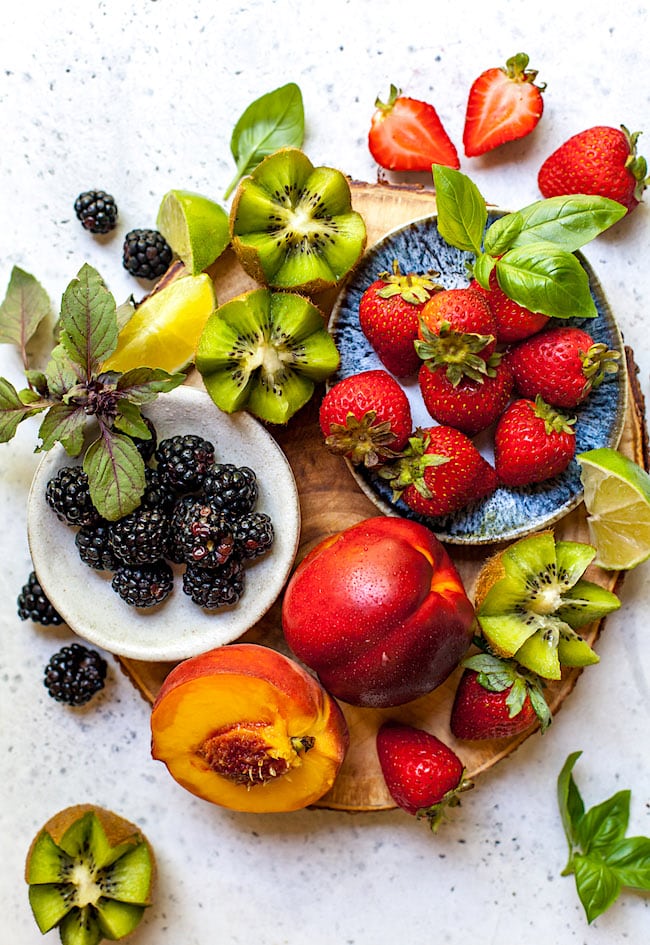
[(406, 134), (503, 105)]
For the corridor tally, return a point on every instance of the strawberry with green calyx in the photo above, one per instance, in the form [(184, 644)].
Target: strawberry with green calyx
[(461, 354), (406, 134), (439, 472), (532, 443), (513, 321), (461, 312), (423, 775), (366, 417), (562, 364), (530, 250), (388, 316), (497, 698), (600, 160), (504, 104), (470, 404)]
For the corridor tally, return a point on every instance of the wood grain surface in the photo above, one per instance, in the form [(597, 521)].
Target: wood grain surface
[(330, 500)]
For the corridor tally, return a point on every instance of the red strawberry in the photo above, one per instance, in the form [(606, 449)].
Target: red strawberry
[(422, 774), (601, 161), (503, 105), (469, 405), (439, 472), (495, 698), (463, 311), (513, 321), (562, 364), (389, 310), (532, 443), (407, 135), (366, 417)]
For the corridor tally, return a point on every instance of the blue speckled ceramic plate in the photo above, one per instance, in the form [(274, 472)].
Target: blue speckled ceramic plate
[(507, 513)]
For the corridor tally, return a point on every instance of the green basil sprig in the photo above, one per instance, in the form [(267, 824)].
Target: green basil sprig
[(602, 858), (276, 120), (72, 389), (531, 250)]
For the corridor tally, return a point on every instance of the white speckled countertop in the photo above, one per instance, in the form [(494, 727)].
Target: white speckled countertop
[(138, 98)]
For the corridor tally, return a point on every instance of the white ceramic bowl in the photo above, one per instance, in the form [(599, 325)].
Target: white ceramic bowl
[(177, 628)]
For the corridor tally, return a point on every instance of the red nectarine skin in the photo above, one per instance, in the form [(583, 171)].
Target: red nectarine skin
[(248, 728), (379, 612)]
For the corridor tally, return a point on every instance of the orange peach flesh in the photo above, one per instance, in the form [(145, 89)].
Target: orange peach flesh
[(243, 743)]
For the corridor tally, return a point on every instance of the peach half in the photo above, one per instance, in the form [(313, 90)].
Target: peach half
[(247, 728)]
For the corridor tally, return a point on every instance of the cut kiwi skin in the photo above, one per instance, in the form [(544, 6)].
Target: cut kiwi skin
[(530, 599), (90, 873), (292, 225), (265, 351)]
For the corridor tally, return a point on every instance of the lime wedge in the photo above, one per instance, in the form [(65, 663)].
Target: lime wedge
[(617, 500), (164, 330), (195, 227)]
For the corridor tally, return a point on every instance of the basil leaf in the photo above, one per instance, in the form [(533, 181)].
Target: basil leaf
[(60, 373), (142, 385), (546, 279), (25, 305), (570, 222), (503, 233), (570, 802), (461, 209), (631, 860), (276, 120), (598, 886), (605, 823), (14, 409), (88, 322), (115, 471), (129, 420), (65, 424), (482, 269)]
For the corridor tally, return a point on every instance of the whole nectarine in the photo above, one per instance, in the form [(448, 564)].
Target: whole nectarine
[(379, 612), (245, 727)]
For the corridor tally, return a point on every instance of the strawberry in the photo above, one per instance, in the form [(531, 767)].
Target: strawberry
[(601, 161), (366, 417), (464, 311), (388, 315), (468, 404), (422, 774), (407, 135), (503, 105), (532, 443), (439, 472), (496, 698), (562, 364), (513, 321)]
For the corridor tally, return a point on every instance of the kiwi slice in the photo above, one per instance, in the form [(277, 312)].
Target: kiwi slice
[(90, 874), (264, 351), (292, 224), (530, 599)]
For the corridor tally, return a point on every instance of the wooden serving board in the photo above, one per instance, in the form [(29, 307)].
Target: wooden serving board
[(330, 500)]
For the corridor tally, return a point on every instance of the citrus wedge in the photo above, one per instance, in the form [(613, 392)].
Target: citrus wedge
[(195, 227), (164, 330), (617, 500)]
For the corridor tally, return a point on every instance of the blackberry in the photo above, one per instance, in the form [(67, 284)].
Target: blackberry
[(146, 254), (253, 534), (202, 534), (175, 551), (157, 493), (34, 605), (96, 210), (69, 496), (75, 674), (231, 488), (146, 448), (214, 587), (93, 545), (183, 461), (140, 537), (143, 585)]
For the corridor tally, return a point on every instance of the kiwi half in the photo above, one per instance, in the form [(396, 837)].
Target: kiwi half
[(90, 874), (264, 351), (531, 598), (292, 224)]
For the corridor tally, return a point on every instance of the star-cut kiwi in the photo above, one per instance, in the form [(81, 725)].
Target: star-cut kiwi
[(264, 351), (531, 599), (292, 224), (90, 874)]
